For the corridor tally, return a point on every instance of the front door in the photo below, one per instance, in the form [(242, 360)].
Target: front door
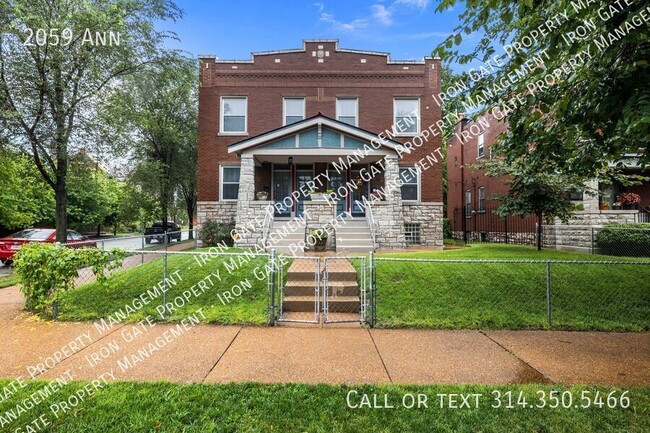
[(362, 190), (282, 190), (337, 180), (302, 178)]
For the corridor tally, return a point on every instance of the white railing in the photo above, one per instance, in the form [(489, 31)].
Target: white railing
[(371, 224), (266, 226)]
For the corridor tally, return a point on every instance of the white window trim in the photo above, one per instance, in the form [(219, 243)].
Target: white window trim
[(419, 184), (480, 146), (356, 114), (284, 108), (407, 98), (221, 182), (221, 116)]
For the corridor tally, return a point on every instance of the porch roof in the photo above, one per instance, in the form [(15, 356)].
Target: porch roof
[(281, 140)]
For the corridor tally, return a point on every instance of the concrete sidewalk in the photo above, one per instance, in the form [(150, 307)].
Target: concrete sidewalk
[(219, 354)]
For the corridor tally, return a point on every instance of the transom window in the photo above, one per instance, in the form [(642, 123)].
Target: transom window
[(406, 116), (229, 182), (480, 144), (233, 115), (294, 110), (410, 178), (347, 111)]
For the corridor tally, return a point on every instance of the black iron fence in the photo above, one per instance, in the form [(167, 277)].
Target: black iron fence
[(471, 225)]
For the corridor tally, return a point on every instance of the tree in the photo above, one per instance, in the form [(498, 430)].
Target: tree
[(576, 106), (153, 114), (53, 67), (25, 198)]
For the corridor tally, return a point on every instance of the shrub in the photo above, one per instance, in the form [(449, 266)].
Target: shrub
[(46, 270), (446, 229), (624, 240), (213, 233)]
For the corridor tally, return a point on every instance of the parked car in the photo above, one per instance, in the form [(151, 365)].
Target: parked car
[(155, 232), (12, 243)]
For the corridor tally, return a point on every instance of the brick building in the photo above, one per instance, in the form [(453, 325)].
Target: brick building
[(470, 203), (321, 119)]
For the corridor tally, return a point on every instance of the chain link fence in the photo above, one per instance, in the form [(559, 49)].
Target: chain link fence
[(511, 294)]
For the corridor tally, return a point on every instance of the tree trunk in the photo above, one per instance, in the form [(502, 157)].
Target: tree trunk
[(539, 232), (190, 214), (61, 216), (99, 230)]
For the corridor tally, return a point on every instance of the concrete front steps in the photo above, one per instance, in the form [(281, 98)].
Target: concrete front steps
[(290, 236), (299, 289), (353, 236)]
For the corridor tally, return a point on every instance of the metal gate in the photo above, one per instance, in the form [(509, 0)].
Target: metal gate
[(297, 298), (344, 289)]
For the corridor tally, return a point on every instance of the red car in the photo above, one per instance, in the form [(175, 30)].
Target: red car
[(11, 244)]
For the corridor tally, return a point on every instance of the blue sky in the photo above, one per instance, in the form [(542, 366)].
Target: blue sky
[(408, 29)]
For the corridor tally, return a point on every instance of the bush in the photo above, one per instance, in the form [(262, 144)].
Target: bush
[(46, 270), (213, 233), (446, 229), (624, 240)]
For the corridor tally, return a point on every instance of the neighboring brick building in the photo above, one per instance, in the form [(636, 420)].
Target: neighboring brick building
[(283, 119), (470, 207)]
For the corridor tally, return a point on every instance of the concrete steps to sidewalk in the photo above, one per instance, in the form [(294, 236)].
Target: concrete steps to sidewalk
[(300, 288)]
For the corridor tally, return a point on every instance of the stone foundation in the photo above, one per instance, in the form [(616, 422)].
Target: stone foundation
[(222, 212), (429, 216), (577, 234)]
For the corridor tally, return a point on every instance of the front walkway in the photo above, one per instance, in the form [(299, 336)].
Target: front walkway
[(206, 353)]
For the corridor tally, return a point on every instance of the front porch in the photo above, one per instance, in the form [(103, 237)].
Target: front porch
[(323, 174)]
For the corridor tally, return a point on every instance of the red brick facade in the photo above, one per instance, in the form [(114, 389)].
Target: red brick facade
[(320, 72)]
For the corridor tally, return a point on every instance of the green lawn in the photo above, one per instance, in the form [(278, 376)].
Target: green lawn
[(162, 407), (8, 280), (511, 295), (412, 294), (92, 301)]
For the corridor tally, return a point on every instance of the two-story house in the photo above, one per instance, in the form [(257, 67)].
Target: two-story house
[(278, 128)]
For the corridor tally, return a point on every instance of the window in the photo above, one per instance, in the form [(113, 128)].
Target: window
[(233, 115), (576, 196), (468, 203), (480, 143), (294, 110), (481, 199), (229, 183), (406, 116), (347, 111), (410, 177), (412, 234)]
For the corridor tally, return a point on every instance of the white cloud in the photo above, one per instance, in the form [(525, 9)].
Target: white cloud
[(343, 26), (381, 14), (417, 3)]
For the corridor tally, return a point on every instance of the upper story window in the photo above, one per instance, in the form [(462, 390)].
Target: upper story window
[(294, 110), (406, 116), (410, 179), (233, 114), (481, 199), (480, 144), (230, 182), (347, 111)]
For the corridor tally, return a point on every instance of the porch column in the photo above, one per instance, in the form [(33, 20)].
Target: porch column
[(246, 196)]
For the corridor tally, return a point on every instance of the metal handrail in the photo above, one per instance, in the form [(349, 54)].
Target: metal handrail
[(266, 225), (371, 223)]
